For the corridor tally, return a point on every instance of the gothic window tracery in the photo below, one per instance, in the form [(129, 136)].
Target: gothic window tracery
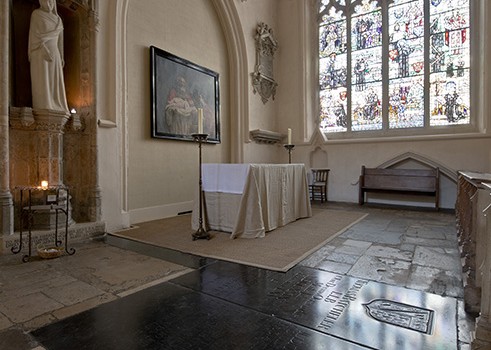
[(386, 65)]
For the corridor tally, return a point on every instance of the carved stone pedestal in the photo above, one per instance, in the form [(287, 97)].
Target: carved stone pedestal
[(37, 155)]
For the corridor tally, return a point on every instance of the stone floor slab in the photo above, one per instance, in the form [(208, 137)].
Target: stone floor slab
[(381, 269), (440, 243), (342, 258), (373, 314), (353, 247), (27, 307), (436, 257), (4, 322), (434, 280), (388, 252), (73, 293), (333, 266), (173, 317), (381, 237)]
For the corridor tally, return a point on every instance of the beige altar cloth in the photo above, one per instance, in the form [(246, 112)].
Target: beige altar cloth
[(249, 200)]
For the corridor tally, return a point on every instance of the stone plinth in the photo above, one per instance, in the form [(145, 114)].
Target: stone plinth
[(37, 155), (76, 233)]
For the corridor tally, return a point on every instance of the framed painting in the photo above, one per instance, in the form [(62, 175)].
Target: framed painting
[(184, 98)]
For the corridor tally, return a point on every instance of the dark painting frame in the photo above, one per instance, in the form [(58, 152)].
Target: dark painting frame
[(178, 88)]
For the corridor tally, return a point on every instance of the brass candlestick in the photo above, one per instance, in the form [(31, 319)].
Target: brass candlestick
[(289, 147), (201, 232)]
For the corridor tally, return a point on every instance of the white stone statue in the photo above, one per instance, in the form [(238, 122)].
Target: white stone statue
[(46, 58)]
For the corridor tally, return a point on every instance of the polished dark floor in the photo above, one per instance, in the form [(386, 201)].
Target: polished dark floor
[(230, 306)]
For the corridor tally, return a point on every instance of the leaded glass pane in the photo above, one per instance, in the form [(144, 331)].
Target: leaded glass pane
[(332, 38), (450, 53), (406, 102), (406, 39), (367, 108), (406, 64), (366, 31), (333, 110), (366, 68), (333, 71)]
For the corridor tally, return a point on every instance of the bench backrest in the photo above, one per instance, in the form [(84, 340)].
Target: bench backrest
[(425, 180), (320, 175)]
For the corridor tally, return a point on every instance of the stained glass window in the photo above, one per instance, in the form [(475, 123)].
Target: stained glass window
[(333, 67), (393, 64)]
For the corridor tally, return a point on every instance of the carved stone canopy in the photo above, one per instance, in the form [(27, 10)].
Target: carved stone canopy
[(263, 78)]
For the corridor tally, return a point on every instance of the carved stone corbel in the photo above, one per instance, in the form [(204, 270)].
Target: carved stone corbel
[(262, 78), (266, 136)]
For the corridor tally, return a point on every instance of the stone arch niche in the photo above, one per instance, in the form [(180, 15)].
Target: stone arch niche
[(60, 149), (411, 160)]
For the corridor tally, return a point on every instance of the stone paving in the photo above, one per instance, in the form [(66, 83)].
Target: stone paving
[(408, 248), (417, 250), (41, 291)]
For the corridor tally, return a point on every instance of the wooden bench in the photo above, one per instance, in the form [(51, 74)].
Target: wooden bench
[(407, 181)]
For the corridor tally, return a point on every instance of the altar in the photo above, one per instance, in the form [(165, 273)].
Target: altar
[(249, 200)]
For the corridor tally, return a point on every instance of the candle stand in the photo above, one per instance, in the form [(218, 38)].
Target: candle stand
[(289, 147), (201, 232), (28, 210)]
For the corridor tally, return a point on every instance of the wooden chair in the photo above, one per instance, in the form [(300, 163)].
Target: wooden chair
[(318, 187)]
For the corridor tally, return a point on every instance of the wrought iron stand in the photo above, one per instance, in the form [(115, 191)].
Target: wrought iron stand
[(201, 232), (289, 148), (26, 214)]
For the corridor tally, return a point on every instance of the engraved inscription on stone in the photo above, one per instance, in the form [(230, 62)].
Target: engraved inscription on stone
[(402, 315), (349, 308)]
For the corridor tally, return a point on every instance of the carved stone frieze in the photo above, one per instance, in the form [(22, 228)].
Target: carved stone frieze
[(263, 81), (21, 118), (49, 120)]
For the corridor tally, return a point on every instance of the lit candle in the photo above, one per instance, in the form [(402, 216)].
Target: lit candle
[(73, 111), (289, 136), (44, 184), (200, 120)]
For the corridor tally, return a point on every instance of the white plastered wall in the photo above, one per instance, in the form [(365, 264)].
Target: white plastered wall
[(143, 179)]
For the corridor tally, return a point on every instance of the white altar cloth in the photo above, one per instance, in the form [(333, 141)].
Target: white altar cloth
[(249, 200)]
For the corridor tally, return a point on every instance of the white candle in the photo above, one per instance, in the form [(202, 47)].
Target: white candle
[(289, 136), (200, 120)]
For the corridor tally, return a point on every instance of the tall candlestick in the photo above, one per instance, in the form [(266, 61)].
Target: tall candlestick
[(200, 120), (289, 136)]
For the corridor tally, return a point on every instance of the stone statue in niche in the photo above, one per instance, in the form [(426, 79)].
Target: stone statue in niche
[(262, 79), (46, 58)]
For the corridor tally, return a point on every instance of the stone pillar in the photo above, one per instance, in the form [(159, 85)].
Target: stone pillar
[(6, 206)]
